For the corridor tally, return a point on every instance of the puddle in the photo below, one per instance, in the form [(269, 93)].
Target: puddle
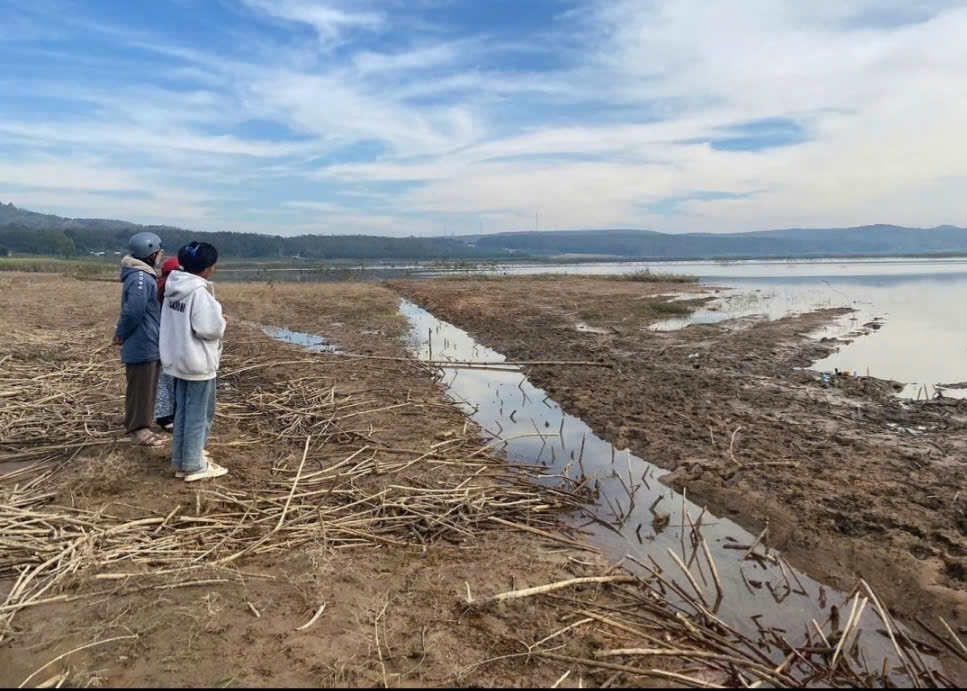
[(507, 406), (915, 431), (311, 342)]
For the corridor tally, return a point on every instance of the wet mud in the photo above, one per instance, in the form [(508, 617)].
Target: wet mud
[(852, 482)]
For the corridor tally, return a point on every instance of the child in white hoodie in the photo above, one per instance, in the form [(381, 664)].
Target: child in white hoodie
[(192, 328)]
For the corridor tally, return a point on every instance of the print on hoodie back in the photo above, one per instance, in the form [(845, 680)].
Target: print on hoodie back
[(192, 328)]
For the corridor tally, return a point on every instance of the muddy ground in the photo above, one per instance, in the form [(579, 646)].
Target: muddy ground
[(858, 497), (394, 615)]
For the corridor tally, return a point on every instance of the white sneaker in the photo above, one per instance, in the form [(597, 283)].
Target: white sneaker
[(210, 472), (204, 455)]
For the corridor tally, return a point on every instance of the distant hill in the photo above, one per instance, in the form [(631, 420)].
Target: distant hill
[(10, 215), (30, 232), (874, 240), (37, 233)]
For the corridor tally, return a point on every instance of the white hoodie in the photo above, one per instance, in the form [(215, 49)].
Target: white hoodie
[(192, 328)]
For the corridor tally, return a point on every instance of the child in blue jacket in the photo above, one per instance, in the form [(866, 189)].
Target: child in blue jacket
[(137, 334)]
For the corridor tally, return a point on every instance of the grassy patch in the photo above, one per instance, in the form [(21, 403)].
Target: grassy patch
[(76, 268), (672, 308), (646, 276), (468, 276), (640, 312), (89, 271), (47, 265)]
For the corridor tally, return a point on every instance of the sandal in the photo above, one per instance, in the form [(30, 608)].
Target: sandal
[(144, 437)]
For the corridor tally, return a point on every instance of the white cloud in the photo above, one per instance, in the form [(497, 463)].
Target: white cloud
[(327, 207), (335, 108), (883, 108), (133, 138), (79, 187), (328, 21), (878, 87), (81, 204), (369, 62)]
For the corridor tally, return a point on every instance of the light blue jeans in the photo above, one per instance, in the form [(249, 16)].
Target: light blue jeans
[(194, 412)]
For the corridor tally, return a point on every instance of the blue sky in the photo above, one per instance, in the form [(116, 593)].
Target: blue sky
[(430, 117)]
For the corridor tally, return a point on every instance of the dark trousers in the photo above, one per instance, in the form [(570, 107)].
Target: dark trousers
[(139, 397)]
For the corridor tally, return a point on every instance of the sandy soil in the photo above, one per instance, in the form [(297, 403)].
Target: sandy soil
[(863, 499), (394, 615)]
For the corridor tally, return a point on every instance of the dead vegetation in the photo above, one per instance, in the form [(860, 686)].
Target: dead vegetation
[(648, 276), (365, 536)]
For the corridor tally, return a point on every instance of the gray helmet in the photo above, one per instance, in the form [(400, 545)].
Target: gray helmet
[(143, 245)]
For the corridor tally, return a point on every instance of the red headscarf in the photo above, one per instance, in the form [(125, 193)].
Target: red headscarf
[(170, 265)]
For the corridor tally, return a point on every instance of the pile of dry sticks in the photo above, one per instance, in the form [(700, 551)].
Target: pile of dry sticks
[(374, 496)]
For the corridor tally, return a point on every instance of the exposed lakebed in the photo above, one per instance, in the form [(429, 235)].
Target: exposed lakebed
[(921, 338), (635, 519), (507, 406)]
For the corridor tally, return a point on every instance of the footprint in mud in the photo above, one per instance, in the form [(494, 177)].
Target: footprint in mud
[(956, 571), (856, 527), (952, 547), (961, 523)]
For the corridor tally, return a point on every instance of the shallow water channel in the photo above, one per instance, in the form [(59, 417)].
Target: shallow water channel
[(537, 431), (533, 429)]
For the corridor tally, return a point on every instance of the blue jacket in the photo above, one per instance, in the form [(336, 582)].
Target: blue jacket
[(140, 319)]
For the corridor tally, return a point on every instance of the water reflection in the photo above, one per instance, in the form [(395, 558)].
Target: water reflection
[(917, 331)]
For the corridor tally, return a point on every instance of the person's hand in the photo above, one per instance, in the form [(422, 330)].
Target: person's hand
[(117, 341)]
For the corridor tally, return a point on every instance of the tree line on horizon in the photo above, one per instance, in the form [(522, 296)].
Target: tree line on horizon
[(77, 242), (73, 242), (30, 232)]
